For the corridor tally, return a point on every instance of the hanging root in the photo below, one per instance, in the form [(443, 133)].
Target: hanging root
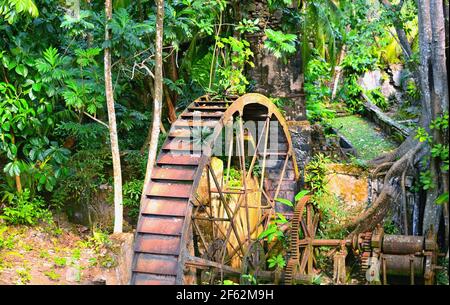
[(389, 193)]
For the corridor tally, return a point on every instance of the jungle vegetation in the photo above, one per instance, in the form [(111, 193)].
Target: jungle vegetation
[(88, 90)]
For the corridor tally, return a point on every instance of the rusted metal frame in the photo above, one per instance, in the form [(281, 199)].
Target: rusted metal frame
[(202, 263), (252, 164), (314, 223), (210, 218), (253, 231), (214, 218), (383, 263), (244, 175), (210, 203), (186, 233), (268, 197), (238, 104), (278, 187), (228, 192), (305, 229), (256, 98), (230, 153), (218, 227), (226, 207), (307, 252), (205, 244), (240, 197), (266, 139), (236, 209), (283, 171)]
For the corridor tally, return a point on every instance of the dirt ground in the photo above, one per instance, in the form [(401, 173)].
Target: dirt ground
[(54, 255)]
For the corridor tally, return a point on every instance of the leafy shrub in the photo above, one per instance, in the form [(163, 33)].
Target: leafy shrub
[(378, 99), (132, 191), (316, 170), (280, 44), (21, 209), (317, 91), (88, 170), (412, 92)]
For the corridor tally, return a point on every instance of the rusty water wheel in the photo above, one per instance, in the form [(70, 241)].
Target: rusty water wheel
[(180, 222), (301, 258)]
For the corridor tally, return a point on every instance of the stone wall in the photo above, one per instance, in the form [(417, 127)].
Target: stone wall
[(272, 76)]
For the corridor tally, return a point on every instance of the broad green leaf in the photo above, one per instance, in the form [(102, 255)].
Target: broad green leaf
[(22, 70), (284, 201), (443, 198), (301, 194)]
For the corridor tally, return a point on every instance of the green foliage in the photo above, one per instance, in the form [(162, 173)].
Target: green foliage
[(378, 99), (279, 43), (231, 73), (322, 29), (438, 152), (363, 136), (21, 209), (88, 170), (60, 261), (317, 91), (132, 191), (442, 275), (316, 170), (389, 226), (422, 135), (274, 231), (426, 180), (234, 177), (277, 261), (3, 228), (248, 26), (412, 92), (52, 275), (11, 9)]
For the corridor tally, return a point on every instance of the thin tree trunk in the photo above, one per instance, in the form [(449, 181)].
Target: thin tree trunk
[(170, 106), (158, 96), (118, 204), (338, 73)]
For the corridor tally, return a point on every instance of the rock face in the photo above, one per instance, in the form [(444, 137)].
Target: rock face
[(350, 184), (272, 76), (121, 273)]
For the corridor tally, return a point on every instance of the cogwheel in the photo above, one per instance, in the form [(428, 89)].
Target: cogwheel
[(293, 254), (366, 252)]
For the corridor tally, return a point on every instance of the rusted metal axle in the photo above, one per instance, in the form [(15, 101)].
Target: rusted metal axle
[(271, 276), (389, 255)]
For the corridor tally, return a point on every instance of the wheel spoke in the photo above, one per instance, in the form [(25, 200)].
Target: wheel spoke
[(227, 209), (244, 176)]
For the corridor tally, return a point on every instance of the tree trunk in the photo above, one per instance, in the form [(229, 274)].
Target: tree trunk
[(338, 72), (158, 96), (118, 204), (170, 106), (432, 79)]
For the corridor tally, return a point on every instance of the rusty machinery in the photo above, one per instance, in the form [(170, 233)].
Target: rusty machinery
[(380, 255), (196, 227)]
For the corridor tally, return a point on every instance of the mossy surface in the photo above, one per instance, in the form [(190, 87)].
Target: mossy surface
[(366, 137)]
